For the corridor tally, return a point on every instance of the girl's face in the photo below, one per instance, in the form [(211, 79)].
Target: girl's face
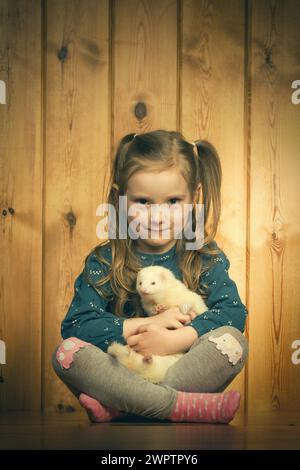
[(158, 225)]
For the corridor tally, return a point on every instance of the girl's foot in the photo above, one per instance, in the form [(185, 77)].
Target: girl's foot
[(206, 407), (97, 412)]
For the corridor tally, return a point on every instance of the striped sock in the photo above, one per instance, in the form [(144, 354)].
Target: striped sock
[(97, 412), (205, 407)]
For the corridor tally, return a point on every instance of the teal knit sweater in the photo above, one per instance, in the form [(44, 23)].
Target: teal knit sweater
[(90, 319)]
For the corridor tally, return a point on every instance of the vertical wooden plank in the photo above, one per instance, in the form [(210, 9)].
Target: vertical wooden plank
[(77, 153), (21, 172), (274, 380), (145, 66), (212, 102)]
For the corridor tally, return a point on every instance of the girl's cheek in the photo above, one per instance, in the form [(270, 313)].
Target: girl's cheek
[(178, 219), (138, 212)]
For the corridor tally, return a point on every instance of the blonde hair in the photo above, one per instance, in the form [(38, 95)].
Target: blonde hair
[(156, 151)]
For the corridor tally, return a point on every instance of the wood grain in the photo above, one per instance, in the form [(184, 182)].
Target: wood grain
[(274, 381), (77, 135), (21, 183), (211, 111), (31, 430), (145, 66)]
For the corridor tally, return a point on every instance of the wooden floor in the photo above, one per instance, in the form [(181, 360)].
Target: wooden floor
[(33, 430)]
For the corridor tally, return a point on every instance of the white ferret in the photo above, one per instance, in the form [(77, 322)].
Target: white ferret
[(159, 290)]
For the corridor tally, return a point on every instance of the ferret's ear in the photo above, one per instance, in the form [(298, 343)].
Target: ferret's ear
[(163, 276)]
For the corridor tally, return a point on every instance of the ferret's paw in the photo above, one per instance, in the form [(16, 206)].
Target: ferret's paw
[(118, 350), (159, 308), (185, 308)]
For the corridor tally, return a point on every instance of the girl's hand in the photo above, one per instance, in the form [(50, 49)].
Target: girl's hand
[(173, 318), (151, 339)]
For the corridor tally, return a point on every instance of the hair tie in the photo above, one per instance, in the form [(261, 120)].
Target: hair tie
[(195, 149)]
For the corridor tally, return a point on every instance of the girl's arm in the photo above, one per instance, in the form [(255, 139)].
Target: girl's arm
[(182, 339), (152, 339), (131, 325), (87, 317), (224, 304), (224, 308)]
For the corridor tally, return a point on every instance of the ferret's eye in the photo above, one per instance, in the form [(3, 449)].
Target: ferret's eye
[(153, 282), (140, 283)]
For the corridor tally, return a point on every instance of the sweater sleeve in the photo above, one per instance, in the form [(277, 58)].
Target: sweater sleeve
[(88, 317), (223, 300)]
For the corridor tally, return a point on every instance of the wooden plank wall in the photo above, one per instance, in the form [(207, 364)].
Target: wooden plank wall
[(274, 299), (77, 149), (81, 75), (21, 204)]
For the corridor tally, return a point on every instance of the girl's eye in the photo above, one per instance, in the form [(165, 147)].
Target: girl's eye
[(153, 282), (139, 200)]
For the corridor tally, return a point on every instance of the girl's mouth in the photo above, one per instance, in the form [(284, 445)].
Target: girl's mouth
[(157, 230)]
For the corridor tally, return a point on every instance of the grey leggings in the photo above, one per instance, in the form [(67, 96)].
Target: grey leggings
[(211, 363)]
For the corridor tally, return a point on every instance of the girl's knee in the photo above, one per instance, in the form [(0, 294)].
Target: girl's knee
[(232, 343), (66, 350)]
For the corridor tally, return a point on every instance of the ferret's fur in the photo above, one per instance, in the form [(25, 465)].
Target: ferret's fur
[(157, 285)]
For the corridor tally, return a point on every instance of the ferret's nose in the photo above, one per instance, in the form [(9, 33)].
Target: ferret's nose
[(144, 291)]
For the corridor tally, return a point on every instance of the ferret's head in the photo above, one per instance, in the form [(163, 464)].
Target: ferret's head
[(152, 280)]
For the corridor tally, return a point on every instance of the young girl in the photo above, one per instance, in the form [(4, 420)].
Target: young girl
[(157, 167)]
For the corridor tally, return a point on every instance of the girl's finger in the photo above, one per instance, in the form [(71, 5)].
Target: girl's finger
[(192, 314), (143, 328), (182, 318), (133, 340), (186, 318)]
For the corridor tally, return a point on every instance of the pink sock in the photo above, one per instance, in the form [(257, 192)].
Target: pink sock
[(96, 411), (205, 407)]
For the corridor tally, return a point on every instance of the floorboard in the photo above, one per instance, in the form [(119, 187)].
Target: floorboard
[(55, 430)]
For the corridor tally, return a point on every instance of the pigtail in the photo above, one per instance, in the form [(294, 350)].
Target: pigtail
[(120, 157), (210, 175)]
